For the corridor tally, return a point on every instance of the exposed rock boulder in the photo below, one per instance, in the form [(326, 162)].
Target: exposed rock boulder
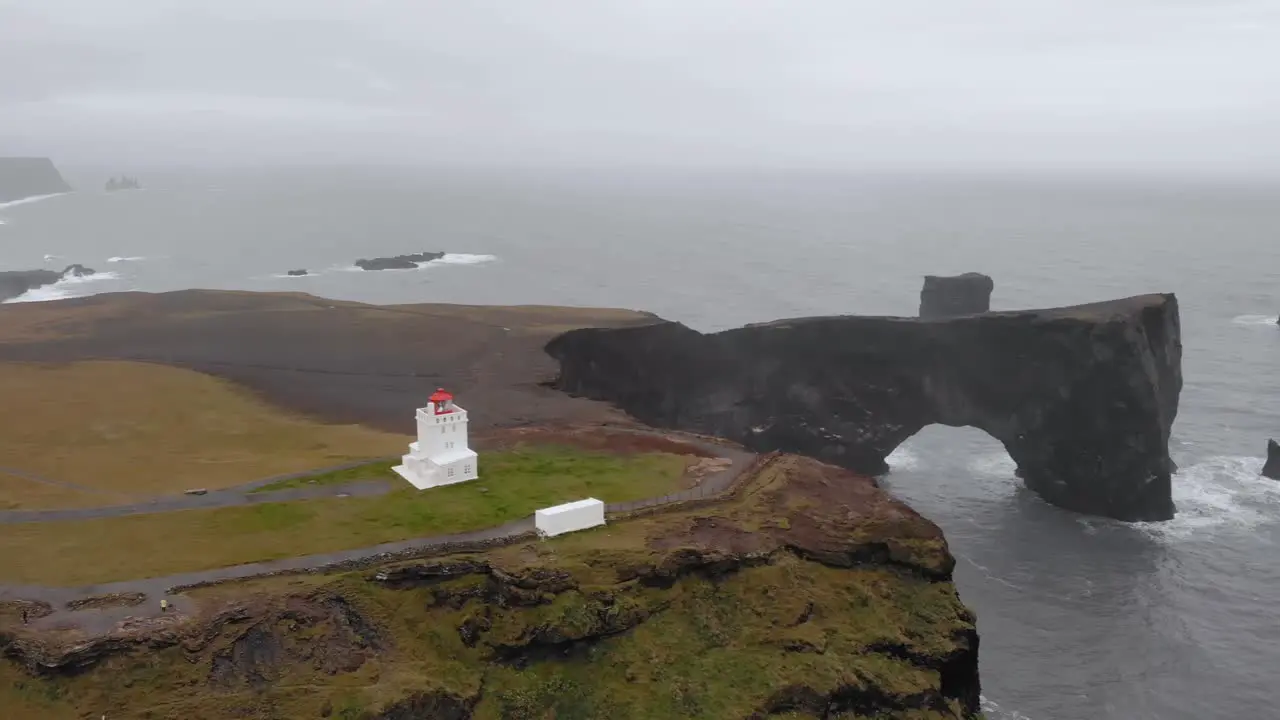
[(952, 295), (399, 262), (14, 283), (1082, 397), (1271, 468), (297, 273), (22, 177)]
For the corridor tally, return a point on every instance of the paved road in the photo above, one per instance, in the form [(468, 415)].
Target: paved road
[(102, 620)]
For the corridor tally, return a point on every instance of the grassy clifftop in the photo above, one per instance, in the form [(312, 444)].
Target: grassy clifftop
[(808, 594)]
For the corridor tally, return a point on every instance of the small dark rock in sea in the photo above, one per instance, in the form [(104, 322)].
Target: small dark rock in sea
[(399, 262), (952, 295), (297, 273), (1271, 468), (77, 270)]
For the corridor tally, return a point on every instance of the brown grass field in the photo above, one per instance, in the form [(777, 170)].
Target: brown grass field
[(132, 430)]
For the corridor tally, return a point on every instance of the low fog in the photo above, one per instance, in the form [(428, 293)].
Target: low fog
[(975, 84)]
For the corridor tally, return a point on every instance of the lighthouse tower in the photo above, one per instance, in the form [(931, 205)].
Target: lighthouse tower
[(440, 456)]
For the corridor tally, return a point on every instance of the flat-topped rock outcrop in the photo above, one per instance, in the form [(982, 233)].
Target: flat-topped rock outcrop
[(399, 262), (1082, 398), (952, 295)]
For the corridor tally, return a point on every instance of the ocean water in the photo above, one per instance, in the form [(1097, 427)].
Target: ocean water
[(1081, 618)]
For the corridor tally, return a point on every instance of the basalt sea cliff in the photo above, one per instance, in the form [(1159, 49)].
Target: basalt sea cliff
[(1083, 398), (23, 177)]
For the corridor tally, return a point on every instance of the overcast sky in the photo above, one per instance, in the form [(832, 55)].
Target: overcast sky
[(816, 83)]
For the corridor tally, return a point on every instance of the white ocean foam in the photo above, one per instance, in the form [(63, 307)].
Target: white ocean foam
[(287, 276), (1254, 319), (66, 288), (51, 258), (902, 459), (29, 200), (119, 259), (461, 259), (994, 712), (1220, 492)]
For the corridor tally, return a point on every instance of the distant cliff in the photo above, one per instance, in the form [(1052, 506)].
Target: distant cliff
[(27, 177)]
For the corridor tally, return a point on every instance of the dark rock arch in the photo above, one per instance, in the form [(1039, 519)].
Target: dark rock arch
[(1082, 398)]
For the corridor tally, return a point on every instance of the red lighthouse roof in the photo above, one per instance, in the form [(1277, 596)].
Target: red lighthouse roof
[(440, 396)]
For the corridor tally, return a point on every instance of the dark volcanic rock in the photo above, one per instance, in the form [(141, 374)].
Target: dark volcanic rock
[(297, 273), (28, 177), (1082, 398), (399, 262), (14, 283), (1271, 468), (952, 295)]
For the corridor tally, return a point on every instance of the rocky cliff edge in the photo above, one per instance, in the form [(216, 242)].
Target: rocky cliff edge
[(808, 593)]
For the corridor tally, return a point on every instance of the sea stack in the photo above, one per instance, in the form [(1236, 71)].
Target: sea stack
[(1271, 469), (24, 177), (953, 295)]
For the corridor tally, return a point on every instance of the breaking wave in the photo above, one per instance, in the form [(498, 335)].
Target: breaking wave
[(994, 712), (448, 259), (902, 459), (462, 259), (1223, 492), (119, 259), (29, 200), (1254, 320), (65, 288)]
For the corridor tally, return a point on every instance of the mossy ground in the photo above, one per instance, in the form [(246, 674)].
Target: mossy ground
[(684, 614), (705, 649), (513, 484)]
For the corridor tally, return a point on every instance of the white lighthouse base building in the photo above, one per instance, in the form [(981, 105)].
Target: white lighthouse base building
[(441, 455)]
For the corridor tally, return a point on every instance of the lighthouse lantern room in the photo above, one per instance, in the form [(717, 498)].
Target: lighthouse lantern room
[(441, 455)]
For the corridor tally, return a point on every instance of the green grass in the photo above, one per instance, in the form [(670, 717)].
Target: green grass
[(371, 471), (512, 485)]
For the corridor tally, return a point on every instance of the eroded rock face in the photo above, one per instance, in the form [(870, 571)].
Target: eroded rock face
[(22, 177), (953, 295), (399, 262), (1271, 468), (1082, 398), (14, 283)]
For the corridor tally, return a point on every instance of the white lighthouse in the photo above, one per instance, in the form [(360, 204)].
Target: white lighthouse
[(440, 456)]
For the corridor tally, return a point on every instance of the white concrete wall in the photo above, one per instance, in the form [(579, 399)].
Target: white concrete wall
[(570, 517), (440, 434)]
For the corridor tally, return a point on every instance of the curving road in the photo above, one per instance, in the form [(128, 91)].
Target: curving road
[(101, 620)]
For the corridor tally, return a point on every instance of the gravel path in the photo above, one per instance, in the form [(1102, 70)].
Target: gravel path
[(226, 497), (101, 620)]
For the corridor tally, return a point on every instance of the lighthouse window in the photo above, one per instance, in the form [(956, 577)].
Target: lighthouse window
[(455, 428), (441, 431), (466, 469), (450, 472)]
